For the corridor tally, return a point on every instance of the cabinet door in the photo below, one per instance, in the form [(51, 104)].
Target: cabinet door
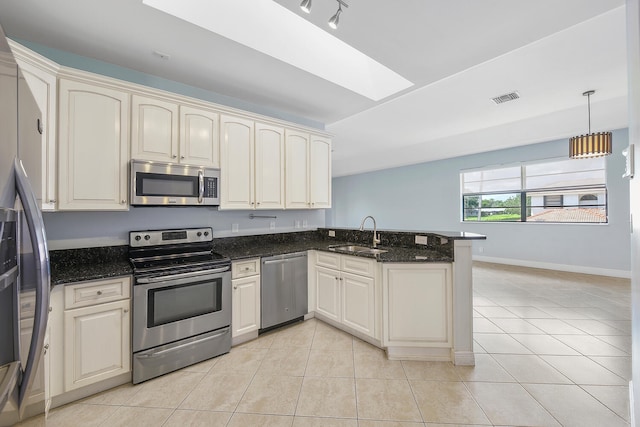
[(38, 387), (93, 147), (320, 172), (269, 167), (96, 343), (417, 305), (236, 163), (358, 303), (328, 293), (200, 137), (154, 129), (40, 160), (245, 305), (297, 170)]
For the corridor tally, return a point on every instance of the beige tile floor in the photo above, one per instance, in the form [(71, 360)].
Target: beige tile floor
[(551, 349)]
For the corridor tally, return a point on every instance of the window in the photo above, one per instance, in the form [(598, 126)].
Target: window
[(551, 191)]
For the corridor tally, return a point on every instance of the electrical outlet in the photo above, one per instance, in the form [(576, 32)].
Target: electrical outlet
[(234, 228), (332, 233), (297, 223), (272, 225), (481, 249), (421, 240)]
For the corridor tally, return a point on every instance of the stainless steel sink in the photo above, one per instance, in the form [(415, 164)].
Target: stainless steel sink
[(358, 249)]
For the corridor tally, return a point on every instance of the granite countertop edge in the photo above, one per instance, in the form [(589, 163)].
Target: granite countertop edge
[(69, 273)]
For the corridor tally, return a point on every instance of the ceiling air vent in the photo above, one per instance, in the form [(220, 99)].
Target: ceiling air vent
[(506, 97)]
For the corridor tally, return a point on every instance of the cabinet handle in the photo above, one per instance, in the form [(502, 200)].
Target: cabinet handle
[(126, 310), (182, 157), (123, 201), (235, 287), (258, 203), (174, 156), (99, 292), (52, 201)]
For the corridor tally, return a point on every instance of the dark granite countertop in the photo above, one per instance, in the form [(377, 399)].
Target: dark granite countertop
[(78, 265), (75, 265), (393, 254)]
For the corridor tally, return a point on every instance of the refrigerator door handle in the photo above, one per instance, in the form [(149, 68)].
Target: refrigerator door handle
[(35, 224)]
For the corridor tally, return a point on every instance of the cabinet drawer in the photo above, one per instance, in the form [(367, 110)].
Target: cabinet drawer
[(327, 259), (246, 268), (97, 292), (358, 265)]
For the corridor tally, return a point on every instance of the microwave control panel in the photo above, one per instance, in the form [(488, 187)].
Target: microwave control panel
[(210, 187)]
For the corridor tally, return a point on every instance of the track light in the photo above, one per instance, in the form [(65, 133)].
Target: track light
[(333, 22), (306, 6)]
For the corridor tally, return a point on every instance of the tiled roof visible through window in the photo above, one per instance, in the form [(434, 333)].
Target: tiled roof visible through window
[(569, 215)]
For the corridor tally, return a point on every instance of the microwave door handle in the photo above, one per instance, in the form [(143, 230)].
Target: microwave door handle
[(200, 186)]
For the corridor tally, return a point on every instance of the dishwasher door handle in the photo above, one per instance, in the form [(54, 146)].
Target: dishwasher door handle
[(274, 261)]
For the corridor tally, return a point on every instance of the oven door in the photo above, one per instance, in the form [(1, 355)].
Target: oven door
[(172, 308)]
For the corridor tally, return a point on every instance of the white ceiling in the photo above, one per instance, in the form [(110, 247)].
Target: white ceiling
[(458, 54)]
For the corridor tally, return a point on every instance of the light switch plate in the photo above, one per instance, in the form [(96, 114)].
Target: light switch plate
[(332, 233), (421, 240)]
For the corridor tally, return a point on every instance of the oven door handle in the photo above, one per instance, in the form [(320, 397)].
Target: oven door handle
[(149, 354), (195, 274)]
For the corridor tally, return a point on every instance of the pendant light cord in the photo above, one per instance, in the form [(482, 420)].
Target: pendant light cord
[(589, 110)]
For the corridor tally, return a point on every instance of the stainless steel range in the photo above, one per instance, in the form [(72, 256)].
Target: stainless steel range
[(181, 300)]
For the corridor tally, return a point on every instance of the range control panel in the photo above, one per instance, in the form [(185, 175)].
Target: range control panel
[(169, 237)]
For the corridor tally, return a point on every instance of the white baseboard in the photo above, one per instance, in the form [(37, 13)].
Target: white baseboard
[(624, 274), (464, 358)]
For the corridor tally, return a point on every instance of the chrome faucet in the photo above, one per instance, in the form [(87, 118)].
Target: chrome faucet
[(376, 238)]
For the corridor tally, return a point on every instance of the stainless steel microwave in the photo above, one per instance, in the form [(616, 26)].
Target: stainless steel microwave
[(172, 184)]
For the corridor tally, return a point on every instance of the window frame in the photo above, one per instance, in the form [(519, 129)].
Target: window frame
[(526, 205)]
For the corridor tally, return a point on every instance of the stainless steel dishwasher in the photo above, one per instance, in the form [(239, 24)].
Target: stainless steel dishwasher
[(283, 288)]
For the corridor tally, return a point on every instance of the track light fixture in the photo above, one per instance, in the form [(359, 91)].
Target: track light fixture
[(306, 6), (333, 22)]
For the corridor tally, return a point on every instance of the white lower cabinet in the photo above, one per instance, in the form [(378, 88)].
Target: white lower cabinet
[(245, 313), (91, 333), (417, 305), (344, 297)]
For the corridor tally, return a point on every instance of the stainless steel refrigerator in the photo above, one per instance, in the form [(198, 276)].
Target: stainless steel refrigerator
[(24, 258)]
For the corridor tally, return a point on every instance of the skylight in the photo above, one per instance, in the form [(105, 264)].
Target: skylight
[(276, 31)]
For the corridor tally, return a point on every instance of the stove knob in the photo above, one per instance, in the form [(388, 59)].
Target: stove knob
[(199, 233), (147, 237), (206, 233), (138, 238)]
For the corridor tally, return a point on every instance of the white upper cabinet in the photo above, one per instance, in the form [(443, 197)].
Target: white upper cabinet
[(154, 129), (93, 147), (199, 137), (165, 131), (308, 170), (40, 161), (269, 167), (297, 169), (320, 172), (237, 163)]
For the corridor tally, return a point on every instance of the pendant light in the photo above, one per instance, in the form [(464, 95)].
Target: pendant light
[(591, 144)]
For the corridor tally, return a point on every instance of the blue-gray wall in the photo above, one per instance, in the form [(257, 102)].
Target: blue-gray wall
[(427, 197)]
